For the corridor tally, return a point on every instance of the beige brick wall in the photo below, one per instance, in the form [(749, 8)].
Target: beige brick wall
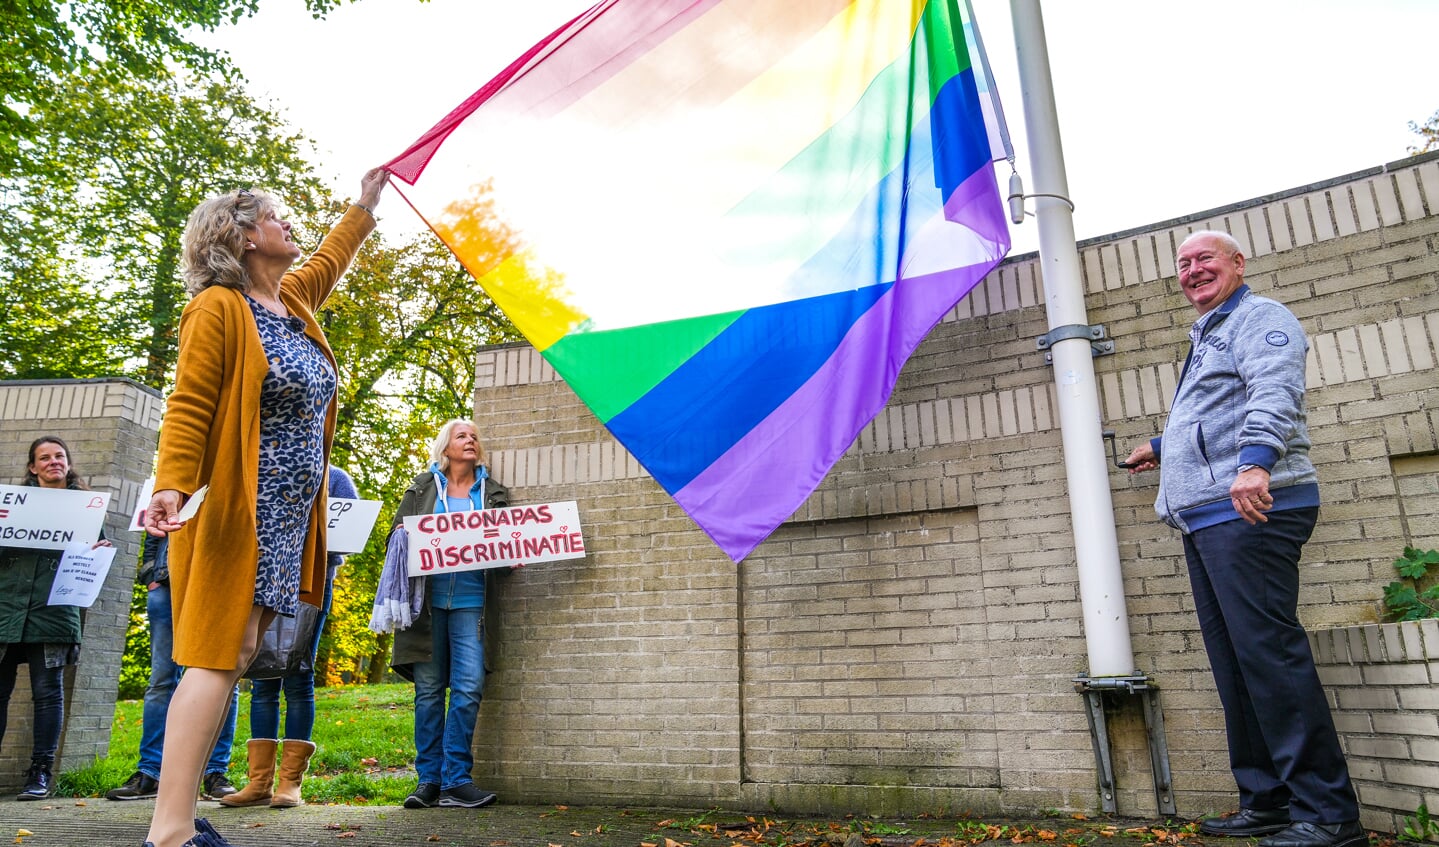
[(908, 640), (1381, 680), (110, 426), (1416, 482)]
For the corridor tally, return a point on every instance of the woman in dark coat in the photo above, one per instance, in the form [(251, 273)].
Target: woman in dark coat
[(34, 632), (443, 651)]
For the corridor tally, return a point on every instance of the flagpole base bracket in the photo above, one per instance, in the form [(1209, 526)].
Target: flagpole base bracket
[(1093, 691)]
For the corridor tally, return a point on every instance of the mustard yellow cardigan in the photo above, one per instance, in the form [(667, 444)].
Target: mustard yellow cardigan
[(211, 435)]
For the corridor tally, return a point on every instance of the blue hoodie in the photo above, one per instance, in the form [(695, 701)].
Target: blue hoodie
[(1240, 401), (464, 590)]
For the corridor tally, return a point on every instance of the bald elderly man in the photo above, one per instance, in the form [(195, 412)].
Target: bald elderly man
[(1236, 480)]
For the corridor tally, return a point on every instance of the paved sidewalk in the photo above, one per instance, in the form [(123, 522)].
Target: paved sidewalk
[(70, 822)]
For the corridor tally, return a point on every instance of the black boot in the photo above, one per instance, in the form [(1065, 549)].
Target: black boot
[(39, 782)]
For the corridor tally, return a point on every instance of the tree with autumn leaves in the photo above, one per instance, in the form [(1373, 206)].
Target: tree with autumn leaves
[(405, 326), (1429, 132), (126, 41)]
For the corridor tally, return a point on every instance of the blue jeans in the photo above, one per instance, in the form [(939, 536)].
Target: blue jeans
[(164, 676), (47, 697), (299, 691), (443, 737)]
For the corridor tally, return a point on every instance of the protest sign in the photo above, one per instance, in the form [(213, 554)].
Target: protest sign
[(142, 504), (348, 524), (450, 542), (50, 518), (81, 574)]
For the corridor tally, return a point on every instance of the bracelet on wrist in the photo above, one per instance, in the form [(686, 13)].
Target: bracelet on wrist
[(366, 208)]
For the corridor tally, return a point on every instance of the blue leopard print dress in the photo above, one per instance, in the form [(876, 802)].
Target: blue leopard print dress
[(293, 400)]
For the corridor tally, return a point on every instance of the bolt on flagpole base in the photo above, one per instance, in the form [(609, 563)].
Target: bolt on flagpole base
[(1093, 692)]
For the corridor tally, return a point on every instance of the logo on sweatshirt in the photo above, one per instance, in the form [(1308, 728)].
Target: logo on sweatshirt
[(1276, 339)]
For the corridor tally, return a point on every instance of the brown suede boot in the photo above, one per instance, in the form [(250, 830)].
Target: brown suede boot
[(294, 761), (260, 788)]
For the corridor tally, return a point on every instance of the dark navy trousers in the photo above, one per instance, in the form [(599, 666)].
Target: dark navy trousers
[(1282, 745)]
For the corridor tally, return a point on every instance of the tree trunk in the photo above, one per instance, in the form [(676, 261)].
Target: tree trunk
[(380, 659)]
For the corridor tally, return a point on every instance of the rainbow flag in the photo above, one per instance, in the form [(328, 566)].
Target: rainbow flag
[(726, 224)]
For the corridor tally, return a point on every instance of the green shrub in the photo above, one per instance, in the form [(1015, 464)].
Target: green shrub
[(135, 664), (1415, 595), (1421, 827)]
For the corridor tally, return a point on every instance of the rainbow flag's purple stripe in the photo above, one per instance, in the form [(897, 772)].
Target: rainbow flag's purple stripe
[(736, 219)]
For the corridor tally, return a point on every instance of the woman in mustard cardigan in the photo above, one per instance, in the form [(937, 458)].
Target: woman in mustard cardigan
[(252, 417)]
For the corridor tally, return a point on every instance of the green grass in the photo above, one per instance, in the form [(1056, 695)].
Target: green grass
[(364, 737)]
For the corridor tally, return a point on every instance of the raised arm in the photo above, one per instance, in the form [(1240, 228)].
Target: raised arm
[(316, 278)]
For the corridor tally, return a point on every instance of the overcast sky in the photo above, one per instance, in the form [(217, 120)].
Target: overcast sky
[(1165, 108)]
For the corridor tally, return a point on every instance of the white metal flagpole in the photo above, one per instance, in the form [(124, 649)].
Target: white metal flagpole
[(1101, 584)]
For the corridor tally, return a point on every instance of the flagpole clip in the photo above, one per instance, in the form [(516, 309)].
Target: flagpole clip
[(1017, 197)]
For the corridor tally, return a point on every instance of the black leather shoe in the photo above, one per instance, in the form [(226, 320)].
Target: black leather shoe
[(138, 787), (1247, 823), (215, 786), (1306, 834)]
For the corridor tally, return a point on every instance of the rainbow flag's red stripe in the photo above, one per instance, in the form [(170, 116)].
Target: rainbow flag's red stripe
[(733, 222)]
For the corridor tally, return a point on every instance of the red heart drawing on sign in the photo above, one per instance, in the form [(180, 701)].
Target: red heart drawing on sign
[(514, 535), (434, 542), (564, 529)]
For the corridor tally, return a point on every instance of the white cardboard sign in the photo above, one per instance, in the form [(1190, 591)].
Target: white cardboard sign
[(143, 504), (81, 574), (451, 542), (50, 518), (348, 524)]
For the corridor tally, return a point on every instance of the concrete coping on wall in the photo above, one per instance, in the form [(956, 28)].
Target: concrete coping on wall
[(98, 380), (1377, 643), (1230, 208)]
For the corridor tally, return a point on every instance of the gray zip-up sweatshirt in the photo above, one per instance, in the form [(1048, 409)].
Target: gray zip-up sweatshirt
[(1240, 401)]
